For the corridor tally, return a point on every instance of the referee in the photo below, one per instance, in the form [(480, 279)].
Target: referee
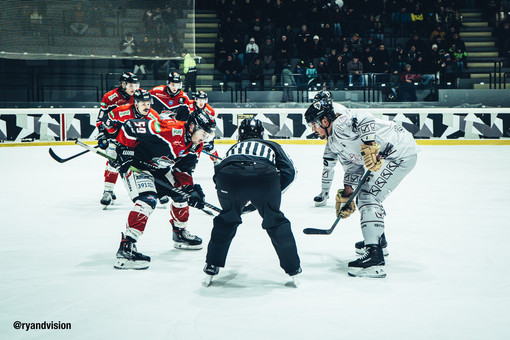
[(257, 171)]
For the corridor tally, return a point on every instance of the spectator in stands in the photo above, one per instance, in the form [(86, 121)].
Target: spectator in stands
[(459, 59), (268, 28), (303, 47), (327, 34), (417, 19), (289, 33), (148, 24), (169, 17), (317, 49), (369, 68), (144, 49), (355, 44), (267, 52), (190, 72), (237, 49), (382, 58), (398, 59), (288, 83), (128, 48), (252, 50), (435, 60), (418, 43), (311, 75), (339, 71), (447, 71), (459, 43), (322, 71), (277, 73), (220, 52), (422, 68), (231, 69), (79, 21), (337, 18), (300, 74), (157, 20), (412, 55), (284, 49), (501, 16), (256, 73), (355, 71), (407, 89), (438, 31), (255, 30), (36, 21), (401, 20)]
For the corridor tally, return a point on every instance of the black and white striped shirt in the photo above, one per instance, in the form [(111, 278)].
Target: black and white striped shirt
[(252, 148)]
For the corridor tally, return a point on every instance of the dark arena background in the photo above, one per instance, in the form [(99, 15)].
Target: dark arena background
[(438, 68)]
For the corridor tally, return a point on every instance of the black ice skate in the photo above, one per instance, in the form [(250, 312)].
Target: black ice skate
[(128, 257), (184, 240), (294, 276), (360, 246), (210, 270), (321, 199), (369, 265), (108, 198)]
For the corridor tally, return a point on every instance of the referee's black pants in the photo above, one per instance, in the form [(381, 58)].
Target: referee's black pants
[(236, 185)]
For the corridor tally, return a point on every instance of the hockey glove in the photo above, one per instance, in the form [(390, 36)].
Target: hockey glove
[(341, 208), (124, 160), (186, 163), (196, 195), (370, 153), (102, 141), (208, 147)]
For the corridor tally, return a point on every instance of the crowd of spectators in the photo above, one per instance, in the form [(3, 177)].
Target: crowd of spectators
[(341, 43)]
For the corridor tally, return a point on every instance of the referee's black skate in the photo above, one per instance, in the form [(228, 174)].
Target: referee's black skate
[(128, 257), (184, 240), (210, 270), (369, 265), (360, 246)]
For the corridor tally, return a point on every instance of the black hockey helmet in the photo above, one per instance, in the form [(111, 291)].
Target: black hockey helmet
[(174, 77), (324, 95), (318, 110), (129, 78), (142, 96), (201, 95), (201, 120), (250, 128)]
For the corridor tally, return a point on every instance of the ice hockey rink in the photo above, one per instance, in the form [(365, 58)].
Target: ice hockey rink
[(447, 227)]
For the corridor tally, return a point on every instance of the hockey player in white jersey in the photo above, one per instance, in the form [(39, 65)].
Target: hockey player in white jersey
[(359, 141)]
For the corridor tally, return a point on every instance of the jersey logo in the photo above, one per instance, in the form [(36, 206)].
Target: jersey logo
[(157, 127), (176, 132), (181, 100), (113, 96), (170, 102), (124, 113)]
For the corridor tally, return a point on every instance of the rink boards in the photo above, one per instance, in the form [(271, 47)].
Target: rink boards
[(428, 125)]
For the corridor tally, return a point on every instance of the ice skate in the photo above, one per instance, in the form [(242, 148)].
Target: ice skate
[(321, 199), (360, 246), (210, 270), (369, 265), (184, 240), (295, 278), (128, 257), (108, 198)]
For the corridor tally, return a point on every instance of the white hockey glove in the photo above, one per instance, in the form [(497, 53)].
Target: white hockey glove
[(370, 153), (340, 207)]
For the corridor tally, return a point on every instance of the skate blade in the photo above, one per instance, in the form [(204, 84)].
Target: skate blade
[(183, 246), (129, 264), (321, 204), (207, 280), (363, 251), (373, 272), (294, 283)]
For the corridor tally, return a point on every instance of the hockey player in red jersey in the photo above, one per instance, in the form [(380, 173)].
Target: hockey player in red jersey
[(169, 100), (201, 101), (121, 95), (167, 150)]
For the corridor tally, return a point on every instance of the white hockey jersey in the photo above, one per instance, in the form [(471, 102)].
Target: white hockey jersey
[(351, 129)]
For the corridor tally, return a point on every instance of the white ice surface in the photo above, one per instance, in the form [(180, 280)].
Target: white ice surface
[(447, 225)]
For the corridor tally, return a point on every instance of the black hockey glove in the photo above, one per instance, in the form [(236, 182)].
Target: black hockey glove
[(208, 147), (196, 195), (186, 163), (124, 160), (102, 141)]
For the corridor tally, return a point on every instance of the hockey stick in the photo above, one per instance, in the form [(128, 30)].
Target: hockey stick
[(156, 180), (63, 160), (313, 231), (212, 155)]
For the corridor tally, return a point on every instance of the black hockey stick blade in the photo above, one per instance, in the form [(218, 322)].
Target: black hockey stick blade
[(63, 160), (314, 231)]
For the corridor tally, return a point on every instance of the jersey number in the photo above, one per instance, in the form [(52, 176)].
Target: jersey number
[(140, 127)]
